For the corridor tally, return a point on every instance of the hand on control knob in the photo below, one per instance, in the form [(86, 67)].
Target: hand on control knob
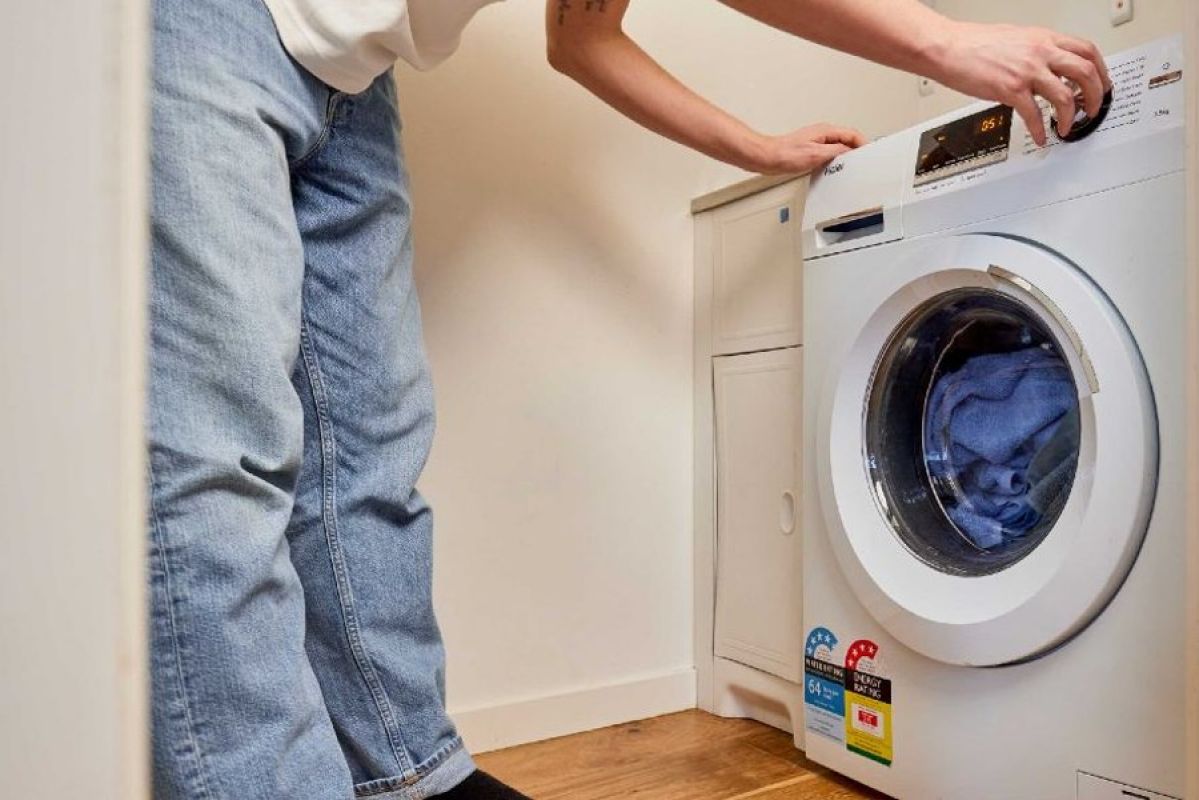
[(1013, 65)]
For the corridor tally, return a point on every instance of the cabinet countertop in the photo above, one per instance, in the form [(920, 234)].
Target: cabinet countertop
[(739, 190)]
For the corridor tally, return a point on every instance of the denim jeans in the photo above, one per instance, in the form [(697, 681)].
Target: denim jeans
[(295, 653)]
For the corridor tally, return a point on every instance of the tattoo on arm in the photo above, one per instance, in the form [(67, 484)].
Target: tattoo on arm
[(565, 6)]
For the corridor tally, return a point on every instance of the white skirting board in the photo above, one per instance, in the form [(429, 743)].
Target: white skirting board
[(741, 691), (537, 718)]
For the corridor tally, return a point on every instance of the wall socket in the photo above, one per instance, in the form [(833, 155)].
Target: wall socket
[(1121, 11)]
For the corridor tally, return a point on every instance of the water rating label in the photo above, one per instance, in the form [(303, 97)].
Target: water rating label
[(824, 686), (867, 704)]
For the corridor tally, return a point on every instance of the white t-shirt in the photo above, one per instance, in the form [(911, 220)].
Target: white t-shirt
[(349, 43)]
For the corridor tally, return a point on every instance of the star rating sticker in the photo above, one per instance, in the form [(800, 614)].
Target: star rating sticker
[(820, 637), (861, 649)]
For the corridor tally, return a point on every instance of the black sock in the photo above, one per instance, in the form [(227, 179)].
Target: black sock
[(481, 786)]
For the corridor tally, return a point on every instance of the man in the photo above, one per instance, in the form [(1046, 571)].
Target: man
[(295, 652)]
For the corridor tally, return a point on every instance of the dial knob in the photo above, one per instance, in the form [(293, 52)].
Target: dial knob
[(1083, 125)]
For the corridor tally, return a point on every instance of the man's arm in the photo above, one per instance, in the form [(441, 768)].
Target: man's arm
[(586, 41), (1004, 63)]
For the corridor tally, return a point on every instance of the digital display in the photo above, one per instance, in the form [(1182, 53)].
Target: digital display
[(964, 144), (990, 123)]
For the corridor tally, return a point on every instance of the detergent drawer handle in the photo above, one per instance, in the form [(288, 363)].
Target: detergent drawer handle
[(1052, 307), (855, 225)]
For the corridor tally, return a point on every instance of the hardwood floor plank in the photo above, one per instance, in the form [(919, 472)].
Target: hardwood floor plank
[(781, 745), (817, 788), (687, 756), (785, 785)]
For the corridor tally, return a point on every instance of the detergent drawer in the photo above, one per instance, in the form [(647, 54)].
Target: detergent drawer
[(1092, 787)]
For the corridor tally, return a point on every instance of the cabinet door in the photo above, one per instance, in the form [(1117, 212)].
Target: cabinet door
[(758, 571), (757, 303), (73, 311)]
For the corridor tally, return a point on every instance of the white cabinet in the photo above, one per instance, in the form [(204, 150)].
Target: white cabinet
[(757, 301), (748, 337), (758, 600)]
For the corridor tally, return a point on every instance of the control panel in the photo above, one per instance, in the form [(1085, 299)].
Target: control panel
[(1146, 94), (964, 144), (981, 162)]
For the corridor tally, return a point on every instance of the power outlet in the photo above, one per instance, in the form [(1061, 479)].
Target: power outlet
[(1121, 11)]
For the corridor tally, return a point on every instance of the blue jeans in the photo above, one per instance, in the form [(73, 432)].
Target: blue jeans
[(295, 653)]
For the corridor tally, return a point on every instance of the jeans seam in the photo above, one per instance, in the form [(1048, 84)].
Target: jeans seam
[(335, 98), (380, 786), (201, 772), (345, 597)]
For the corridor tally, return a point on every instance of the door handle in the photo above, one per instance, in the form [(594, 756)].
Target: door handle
[(787, 513), (1052, 308)]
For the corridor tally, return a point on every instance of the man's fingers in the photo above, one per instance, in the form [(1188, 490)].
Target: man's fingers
[(1060, 97), (833, 134), (846, 136), (1089, 51), (1026, 106), (810, 149), (807, 155), (1083, 73), (822, 154)]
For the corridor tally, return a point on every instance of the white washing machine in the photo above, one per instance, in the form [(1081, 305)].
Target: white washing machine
[(993, 454)]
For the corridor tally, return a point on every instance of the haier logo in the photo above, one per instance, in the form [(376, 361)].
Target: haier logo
[(833, 169)]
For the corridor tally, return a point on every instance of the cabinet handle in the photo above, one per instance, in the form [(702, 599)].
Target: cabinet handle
[(787, 513)]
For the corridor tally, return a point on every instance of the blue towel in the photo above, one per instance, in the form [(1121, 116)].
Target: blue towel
[(1002, 433)]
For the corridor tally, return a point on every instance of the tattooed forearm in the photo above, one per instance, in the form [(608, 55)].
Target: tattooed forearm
[(566, 6)]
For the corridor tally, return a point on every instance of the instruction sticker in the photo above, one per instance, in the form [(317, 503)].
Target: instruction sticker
[(867, 704), (824, 686)]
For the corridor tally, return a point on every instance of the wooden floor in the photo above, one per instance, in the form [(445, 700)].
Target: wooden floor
[(685, 756)]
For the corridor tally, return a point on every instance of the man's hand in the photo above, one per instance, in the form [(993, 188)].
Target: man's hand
[(806, 150), (1012, 65)]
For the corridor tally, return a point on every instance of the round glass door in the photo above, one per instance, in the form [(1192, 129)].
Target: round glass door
[(984, 444), (972, 431)]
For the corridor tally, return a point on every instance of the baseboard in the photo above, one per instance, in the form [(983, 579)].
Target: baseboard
[(534, 719), (741, 691)]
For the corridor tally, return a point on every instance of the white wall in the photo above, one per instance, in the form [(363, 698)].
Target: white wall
[(1192, 705), (72, 258), (1086, 18), (554, 261)]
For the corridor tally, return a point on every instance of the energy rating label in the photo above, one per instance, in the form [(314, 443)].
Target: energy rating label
[(867, 703), (824, 686)]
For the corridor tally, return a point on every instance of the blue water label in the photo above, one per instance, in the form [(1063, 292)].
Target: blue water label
[(824, 686)]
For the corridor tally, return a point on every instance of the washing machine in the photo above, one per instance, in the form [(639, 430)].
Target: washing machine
[(993, 453)]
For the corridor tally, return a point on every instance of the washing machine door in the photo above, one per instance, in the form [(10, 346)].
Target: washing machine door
[(987, 452)]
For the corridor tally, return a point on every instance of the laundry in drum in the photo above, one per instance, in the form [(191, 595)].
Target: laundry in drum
[(1001, 442)]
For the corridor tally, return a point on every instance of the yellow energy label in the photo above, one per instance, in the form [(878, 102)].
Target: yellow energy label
[(867, 704)]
